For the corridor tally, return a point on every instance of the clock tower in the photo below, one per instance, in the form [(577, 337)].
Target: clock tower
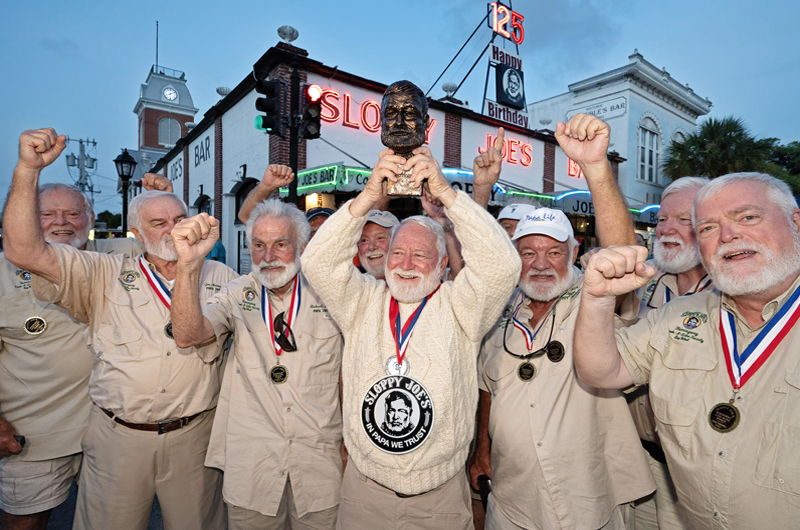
[(164, 108)]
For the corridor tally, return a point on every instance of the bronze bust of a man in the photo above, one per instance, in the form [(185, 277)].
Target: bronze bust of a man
[(404, 120)]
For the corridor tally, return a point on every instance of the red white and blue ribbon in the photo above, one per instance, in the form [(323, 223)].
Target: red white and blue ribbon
[(291, 318), (741, 367), (403, 336), (526, 333), (155, 282)]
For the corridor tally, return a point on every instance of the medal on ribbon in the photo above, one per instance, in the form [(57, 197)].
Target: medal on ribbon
[(278, 374), (724, 417), (402, 335), (162, 293)]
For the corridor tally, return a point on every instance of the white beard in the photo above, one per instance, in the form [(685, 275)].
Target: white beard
[(408, 293), (164, 249), (76, 242), (549, 291), (378, 271), (738, 280), (678, 260), (276, 279)]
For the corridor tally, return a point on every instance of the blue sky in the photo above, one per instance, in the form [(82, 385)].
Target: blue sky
[(77, 66)]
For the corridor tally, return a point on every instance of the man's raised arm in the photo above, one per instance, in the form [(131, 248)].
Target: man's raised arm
[(24, 243), (194, 238), (584, 139), (275, 177), (610, 273)]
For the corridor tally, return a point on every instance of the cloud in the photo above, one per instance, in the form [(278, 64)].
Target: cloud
[(63, 46)]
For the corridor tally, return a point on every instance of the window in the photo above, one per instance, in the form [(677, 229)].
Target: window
[(649, 148), (169, 131), (204, 204)]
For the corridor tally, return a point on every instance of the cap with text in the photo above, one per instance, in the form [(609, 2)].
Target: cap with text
[(515, 211), (544, 221), (384, 219)]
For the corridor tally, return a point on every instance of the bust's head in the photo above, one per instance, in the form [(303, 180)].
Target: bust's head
[(404, 117)]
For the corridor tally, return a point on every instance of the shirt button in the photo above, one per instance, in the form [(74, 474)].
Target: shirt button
[(288, 409), (290, 442), (163, 390), (723, 454), (739, 399), (717, 515), (237, 370), (781, 480), (539, 444), (533, 405), (169, 353)]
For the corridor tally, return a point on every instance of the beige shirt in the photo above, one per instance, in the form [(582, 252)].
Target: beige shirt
[(44, 378), (564, 455), (744, 479), (138, 372), (662, 288), (442, 350), (265, 432)]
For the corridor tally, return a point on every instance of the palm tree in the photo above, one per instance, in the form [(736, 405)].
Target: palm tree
[(717, 148)]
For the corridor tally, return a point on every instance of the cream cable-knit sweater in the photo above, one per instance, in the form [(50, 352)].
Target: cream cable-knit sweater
[(443, 349)]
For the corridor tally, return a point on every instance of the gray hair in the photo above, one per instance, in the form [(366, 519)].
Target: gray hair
[(138, 202), (778, 192), (684, 183), (278, 209), (432, 226), (56, 186)]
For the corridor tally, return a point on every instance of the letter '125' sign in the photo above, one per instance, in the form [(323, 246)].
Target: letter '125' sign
[(506, 23)]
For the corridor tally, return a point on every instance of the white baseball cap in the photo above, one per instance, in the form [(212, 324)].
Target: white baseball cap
[(544, 221), (384, 219), (515, 211)]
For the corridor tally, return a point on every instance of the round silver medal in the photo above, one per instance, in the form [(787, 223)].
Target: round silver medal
[(394, 368)]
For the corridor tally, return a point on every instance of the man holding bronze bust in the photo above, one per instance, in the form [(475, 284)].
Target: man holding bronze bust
[(418, 476)]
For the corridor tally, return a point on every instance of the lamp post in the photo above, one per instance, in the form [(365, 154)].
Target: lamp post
[(126, 165)]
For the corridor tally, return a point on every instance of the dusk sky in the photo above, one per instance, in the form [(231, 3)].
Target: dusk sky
[(77, 66)]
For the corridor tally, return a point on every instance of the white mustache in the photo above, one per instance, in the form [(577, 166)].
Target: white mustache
[(671, 239), (736, 246)]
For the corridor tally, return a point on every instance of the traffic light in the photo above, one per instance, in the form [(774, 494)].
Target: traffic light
[(312, 109), (271, 121)]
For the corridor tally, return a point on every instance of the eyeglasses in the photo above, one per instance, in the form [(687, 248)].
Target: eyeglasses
[(285, 336)]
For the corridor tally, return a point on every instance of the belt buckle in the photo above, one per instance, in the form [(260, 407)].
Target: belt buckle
[(162, 425)]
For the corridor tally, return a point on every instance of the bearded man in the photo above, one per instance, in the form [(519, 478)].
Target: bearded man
[(559, 454), (44, 372), (415, 335), (278, 432), (722, 363), (153, 401)]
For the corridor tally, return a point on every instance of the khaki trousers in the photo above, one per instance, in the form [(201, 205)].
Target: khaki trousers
[(244, 519), (366, 505), (660, 510), (124, 469), (621, 518)]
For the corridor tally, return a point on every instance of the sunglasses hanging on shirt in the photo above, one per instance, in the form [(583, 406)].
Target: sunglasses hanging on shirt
[(553, 349)]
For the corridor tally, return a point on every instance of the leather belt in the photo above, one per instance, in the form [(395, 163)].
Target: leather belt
[(162, 427), (655, 451)]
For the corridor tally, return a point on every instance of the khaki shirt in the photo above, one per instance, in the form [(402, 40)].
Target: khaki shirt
[(744, 479), (138, 372), (265, 432), (44, 378), (662, 288), (564, 455)]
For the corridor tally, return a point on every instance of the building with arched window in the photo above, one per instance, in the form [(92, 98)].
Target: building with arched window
[(647, 110)]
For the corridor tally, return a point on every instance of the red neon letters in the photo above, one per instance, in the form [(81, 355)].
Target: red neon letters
[(511, 150)]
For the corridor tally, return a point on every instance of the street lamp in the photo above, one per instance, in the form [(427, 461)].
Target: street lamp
[(126, 165)]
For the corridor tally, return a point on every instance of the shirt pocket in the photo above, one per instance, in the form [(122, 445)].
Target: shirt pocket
[(250, 347), (118, 343), (678, 379), (778, 456), (501, 373), (14, 311)]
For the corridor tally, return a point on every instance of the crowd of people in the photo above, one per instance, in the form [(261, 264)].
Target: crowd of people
[(370, 371)]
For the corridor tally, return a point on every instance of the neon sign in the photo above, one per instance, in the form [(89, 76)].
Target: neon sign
[(573, 169), (499, 18), (341, 107), (511, 149)]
